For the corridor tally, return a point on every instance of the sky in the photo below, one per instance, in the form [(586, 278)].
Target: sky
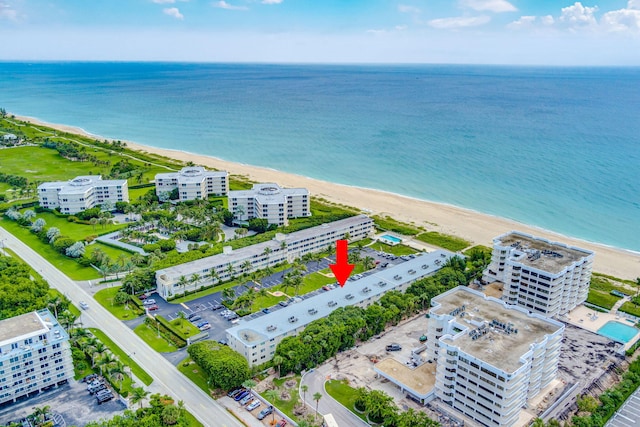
[(518, 32)]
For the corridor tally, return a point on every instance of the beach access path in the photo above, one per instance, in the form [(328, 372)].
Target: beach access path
[(167, 379)]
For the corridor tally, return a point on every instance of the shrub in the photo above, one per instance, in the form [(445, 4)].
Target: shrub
[(167, 245), (151, 247), (62, 243)]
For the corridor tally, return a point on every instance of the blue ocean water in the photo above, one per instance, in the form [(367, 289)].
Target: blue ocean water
[(558, 148)]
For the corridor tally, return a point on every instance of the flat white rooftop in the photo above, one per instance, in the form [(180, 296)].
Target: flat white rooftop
[(24, 325), (354, 292)]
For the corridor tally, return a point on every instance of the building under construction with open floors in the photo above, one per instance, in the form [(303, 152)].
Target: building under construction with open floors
[(545, 277), (491, 358), (284, 247), (34, 355)]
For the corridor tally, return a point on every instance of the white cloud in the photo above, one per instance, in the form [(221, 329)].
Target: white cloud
[(271, 1), (224, 5), (578, 15), (7, 12), (621, 21), (459, 22), (547, 20), (376, 32), (173, 11), (496, 6), (633, 4), (163, 1), (404, 8), (401, 27), (522, 23)]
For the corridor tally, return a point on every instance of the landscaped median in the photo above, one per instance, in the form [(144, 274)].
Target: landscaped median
[(106, 298)]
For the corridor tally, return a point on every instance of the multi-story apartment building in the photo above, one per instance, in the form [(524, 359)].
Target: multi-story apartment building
[(544, 277), (193, 182), (284, 247), (82, 193), (257, 339), (34, 355), (270, 202), (492, 358)]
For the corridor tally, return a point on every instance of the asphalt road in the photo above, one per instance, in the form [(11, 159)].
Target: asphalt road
[(167, 379)]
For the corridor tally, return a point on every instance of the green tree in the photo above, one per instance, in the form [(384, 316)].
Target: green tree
[(317, 397), (138, 394), (225, 367), (304, 388)]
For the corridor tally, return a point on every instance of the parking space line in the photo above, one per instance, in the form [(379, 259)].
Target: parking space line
[(185, 306)]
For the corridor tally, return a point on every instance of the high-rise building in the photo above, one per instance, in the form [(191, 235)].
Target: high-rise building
[(270, 202), (34, 355), (492, 358), (82, 193), (193, 182), (545, 277)]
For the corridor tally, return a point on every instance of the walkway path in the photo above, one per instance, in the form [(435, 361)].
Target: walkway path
[(167, 379)]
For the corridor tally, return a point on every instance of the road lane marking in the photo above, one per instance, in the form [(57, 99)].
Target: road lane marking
[(185, 306)]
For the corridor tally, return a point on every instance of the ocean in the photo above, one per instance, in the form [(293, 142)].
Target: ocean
[(557, 148)]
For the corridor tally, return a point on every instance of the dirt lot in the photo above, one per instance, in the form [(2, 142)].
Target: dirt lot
[(72, 401)]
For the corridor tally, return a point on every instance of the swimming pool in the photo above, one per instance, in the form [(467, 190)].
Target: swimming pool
[(618, 331), (389, 239)]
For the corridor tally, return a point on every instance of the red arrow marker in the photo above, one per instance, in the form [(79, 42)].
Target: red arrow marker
[(341, 269)]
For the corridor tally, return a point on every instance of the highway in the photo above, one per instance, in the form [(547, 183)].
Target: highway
[(167, 379)]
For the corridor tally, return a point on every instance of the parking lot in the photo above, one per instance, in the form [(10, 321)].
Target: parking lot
[(208, 308), (71, 400)]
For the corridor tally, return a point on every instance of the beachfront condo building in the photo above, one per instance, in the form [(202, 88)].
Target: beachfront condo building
[(258, 338), (192, 182), (34, 355), (82, 193), (492, 358), (545, 277), (284, 247), (270, 202)]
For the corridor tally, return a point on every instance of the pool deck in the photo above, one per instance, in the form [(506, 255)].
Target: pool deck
[(591, 320)]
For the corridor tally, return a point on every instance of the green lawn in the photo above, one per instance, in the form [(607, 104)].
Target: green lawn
[(341, 391), (397, 250), (195, 374), (191, 420), (287, 406), (389, 224), (136, 193), (602, 298), (185, 328), (65, 264), (105, 298), (631, 308), (452, 243), (76, 230), (124, 358), (150, 336)]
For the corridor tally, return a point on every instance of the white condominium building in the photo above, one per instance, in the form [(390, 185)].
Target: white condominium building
[(224, 266), (492, 358), (270, 202), (82, 193), (258, 338), (545, 277), (34, 355), (193, 182)]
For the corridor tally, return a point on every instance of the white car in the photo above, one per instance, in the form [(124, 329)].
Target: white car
[(84, 305), (253, 405), (149, 301)]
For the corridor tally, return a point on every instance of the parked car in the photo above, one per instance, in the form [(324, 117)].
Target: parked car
[(246, 399), (241, 396), (201, 324), (104, 398), (149, 301), (394, 347), (326, 288), (196, 318), (89, 378), (283, 303), (191, 316), (223, 342), (234, 393), (217, 307), (205, 327), (142, 297), (153, 307), (256, 403), (84, 305), (265, 412), (266, 311)]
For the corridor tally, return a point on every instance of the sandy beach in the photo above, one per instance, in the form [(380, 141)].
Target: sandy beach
[(470, 225)]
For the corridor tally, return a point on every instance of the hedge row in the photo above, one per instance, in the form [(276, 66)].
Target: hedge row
[(168, 333)]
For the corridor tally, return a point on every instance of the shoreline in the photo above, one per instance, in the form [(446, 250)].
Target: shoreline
[(476, 227)]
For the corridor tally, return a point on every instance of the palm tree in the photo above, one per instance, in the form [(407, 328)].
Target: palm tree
[(230, 270), (249, 384), (41, 413), (195, 279), (138, 394), (98, 349), (55, 303), (116, 373), (107, 361), (93, 222), (266, 253), (317, 397), (277, 361), (228, 294), (213, 275), (304, 389), (182, 282), (271, 396)]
